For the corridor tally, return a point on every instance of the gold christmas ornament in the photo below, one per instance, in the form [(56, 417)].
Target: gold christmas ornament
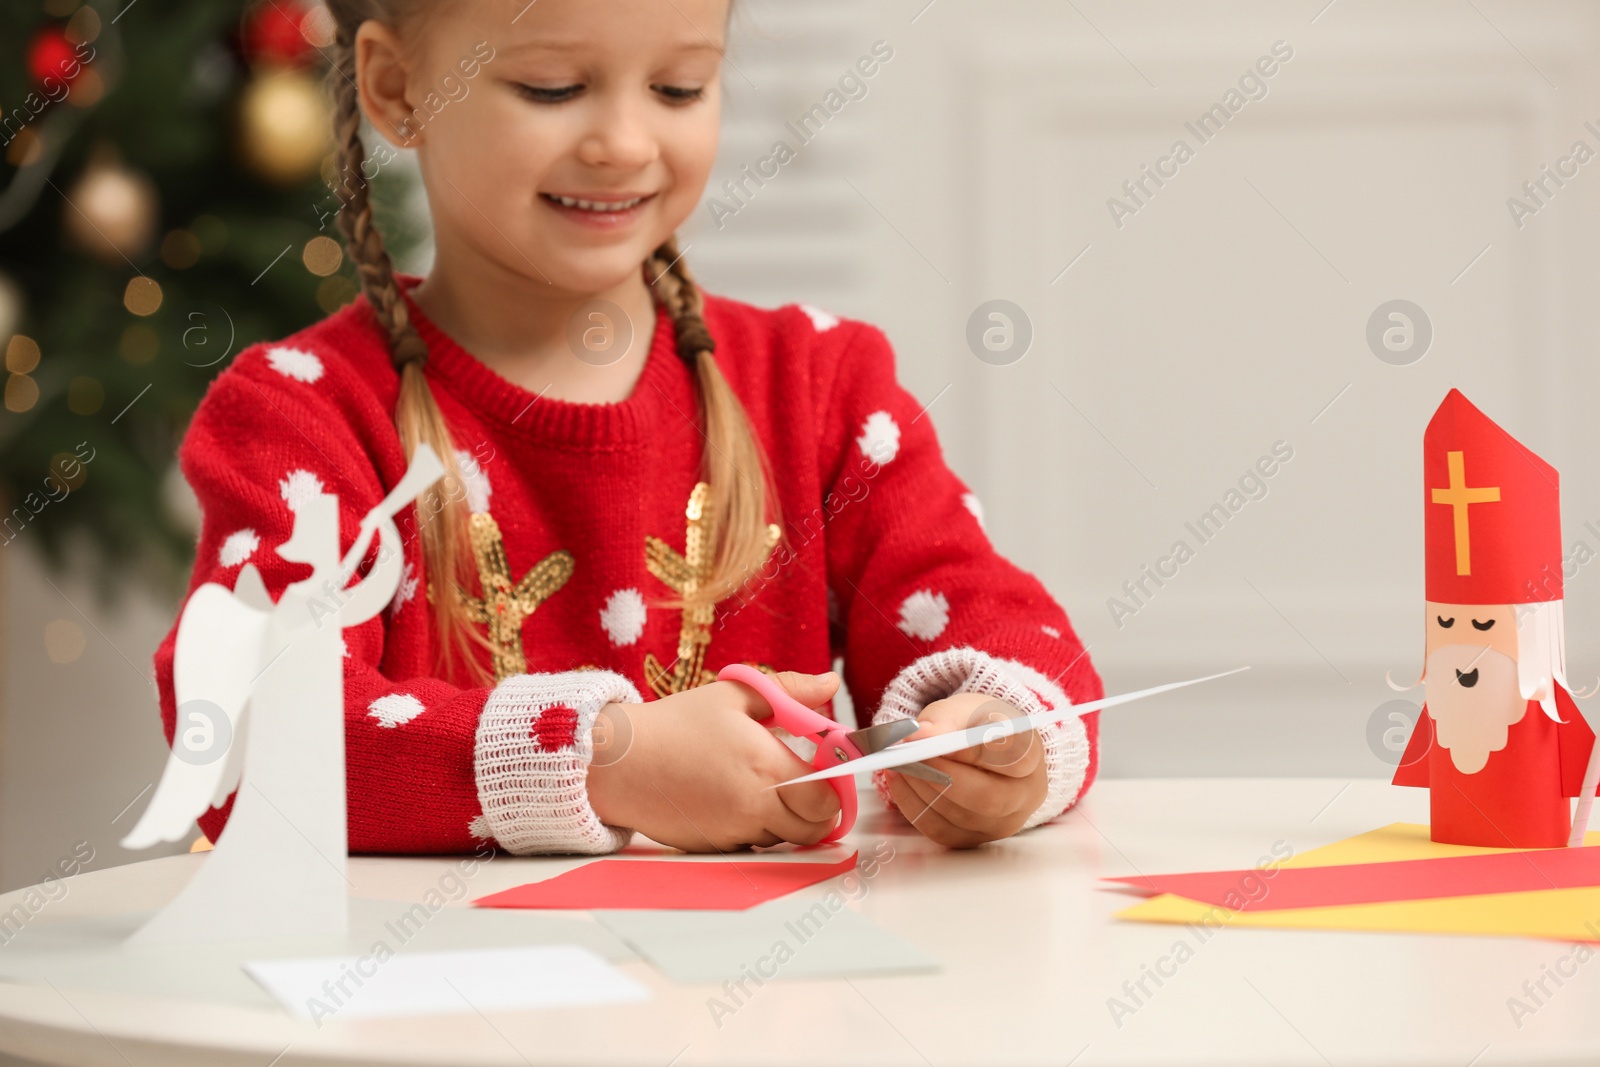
[(322, 256), (142, 296), (111, 209), (22, 354), (285, 126), (22, 392)]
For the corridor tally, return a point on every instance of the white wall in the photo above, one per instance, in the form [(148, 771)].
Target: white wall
[(1220, 318)]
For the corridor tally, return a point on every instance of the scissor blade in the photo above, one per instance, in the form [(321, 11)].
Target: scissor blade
[(925, 772), (944, 744), (879, 737)]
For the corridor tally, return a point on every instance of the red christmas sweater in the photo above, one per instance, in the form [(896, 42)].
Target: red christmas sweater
[(884, 561)]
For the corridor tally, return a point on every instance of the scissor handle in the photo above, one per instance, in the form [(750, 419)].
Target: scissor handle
[(833, 746)]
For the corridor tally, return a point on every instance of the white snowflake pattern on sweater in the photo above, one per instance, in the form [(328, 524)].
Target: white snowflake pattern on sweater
[(880, 438), (295, 363), (924, 614), (238, 547), (297, 487), (406, 589), (395, 709), (971, 502), (623, 617), (821, 320), (475, 480)]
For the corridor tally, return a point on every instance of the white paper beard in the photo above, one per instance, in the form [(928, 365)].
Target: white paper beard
[(1473, 699)]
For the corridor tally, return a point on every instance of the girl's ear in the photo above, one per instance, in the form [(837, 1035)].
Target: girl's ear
[(381, 77)]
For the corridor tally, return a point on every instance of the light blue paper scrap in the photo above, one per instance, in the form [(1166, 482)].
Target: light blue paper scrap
[(781, 939)]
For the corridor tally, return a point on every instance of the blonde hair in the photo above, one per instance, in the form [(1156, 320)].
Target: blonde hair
[(733, 463)]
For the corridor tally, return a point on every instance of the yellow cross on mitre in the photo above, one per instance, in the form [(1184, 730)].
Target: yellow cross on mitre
[(1460, 496)]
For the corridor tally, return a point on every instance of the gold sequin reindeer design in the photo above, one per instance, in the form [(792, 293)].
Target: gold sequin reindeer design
[(683, 574), (503, 607)]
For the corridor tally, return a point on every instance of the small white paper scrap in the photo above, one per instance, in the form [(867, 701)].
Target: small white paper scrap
[(423, 983)]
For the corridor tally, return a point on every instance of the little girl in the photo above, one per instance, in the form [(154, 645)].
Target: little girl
[(649, 482)]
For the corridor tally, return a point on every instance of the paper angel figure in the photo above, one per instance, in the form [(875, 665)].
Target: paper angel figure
[(260, 698), (1500, 743)]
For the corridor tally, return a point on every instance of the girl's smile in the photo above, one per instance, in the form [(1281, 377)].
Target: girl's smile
[(608, 212)]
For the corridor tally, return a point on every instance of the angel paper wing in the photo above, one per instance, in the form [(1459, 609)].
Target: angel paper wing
[(374, 592), (220, 648)]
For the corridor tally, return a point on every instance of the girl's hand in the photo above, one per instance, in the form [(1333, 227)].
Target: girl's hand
[(994, 787), (691, 770)]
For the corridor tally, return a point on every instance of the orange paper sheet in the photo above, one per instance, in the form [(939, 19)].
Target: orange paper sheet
[(1558, 914)]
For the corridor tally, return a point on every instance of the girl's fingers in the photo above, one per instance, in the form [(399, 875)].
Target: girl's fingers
[(1015, 804), (790, 827), (802, 813), (941, 800), (815, 802), (812, 690), (1015, 756), (976, 797), (927, 819)]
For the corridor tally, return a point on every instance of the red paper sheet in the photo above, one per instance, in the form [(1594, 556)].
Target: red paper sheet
[(696, 885), (1370, 883)]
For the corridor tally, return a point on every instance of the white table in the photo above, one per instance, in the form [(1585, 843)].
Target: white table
[(1030, 954)]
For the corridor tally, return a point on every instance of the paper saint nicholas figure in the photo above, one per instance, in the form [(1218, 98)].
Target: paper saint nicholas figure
[(1500, 743), (260, 695)]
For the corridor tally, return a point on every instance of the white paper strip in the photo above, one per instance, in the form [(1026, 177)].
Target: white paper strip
[(421, 983), (943, 744)]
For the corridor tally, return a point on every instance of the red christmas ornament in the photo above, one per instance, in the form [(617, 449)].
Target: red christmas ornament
[(274, 32), (52, 55)]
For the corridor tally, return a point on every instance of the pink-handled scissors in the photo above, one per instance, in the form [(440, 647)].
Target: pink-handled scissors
[(835, 744)]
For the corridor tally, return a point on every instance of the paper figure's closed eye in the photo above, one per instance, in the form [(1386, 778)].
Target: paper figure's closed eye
[(1444, 622), (1476, 625)]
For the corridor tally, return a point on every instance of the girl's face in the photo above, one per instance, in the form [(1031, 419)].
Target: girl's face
[(604, 101)]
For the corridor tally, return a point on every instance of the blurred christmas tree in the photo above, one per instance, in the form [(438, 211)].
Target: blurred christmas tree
[(167, 201)]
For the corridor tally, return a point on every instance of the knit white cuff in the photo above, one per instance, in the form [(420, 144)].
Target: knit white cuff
[(967, 670), (534, 744)]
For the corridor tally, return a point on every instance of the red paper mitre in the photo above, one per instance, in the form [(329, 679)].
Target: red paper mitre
[(1493, 512)]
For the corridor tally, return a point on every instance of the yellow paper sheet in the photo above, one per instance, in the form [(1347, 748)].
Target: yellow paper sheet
[(1559, 914)]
